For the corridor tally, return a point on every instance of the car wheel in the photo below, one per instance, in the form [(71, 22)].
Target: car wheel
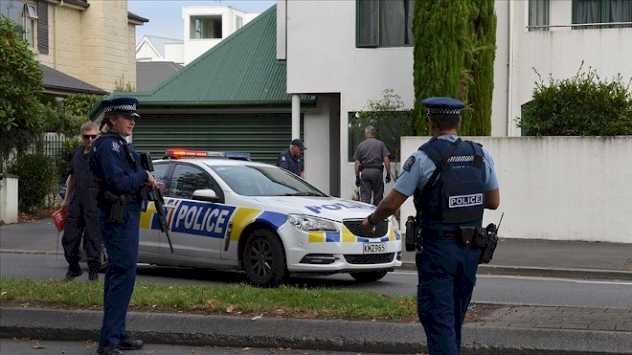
[(369, 276), (264, 259)]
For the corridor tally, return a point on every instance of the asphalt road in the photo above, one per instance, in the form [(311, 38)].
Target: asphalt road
[(489, 289)]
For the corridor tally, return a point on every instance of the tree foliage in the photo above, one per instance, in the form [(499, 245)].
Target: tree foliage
[(21, 110), (389, 118), (583, 105), (455, 43), (477, 121)]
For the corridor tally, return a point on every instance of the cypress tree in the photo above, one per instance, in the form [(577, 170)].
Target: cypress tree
[(454, 56), (477, 121), (442, 31)]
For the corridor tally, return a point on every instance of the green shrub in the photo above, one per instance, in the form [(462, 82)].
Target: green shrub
[(36, 180), (583, 105)]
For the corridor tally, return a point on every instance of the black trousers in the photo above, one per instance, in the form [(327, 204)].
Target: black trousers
[(81, 223), (371, 185)]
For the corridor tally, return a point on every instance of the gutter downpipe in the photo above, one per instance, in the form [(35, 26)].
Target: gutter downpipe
[(509, 65), (296, 116)]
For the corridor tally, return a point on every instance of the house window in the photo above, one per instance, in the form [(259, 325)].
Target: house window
[(205, 27), (538, 15), (384, 23), (239, 22), (602, 11), (24, 15)]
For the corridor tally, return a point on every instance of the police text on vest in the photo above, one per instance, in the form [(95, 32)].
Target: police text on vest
[(465, 200)]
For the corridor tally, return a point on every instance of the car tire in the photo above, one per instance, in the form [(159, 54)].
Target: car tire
[(263, 259), (369, 276)]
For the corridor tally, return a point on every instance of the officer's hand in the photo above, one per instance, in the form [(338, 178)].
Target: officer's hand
[(64, 204), (159, 184), (388, 178), (150, 178), (357, 181), (367, 226)]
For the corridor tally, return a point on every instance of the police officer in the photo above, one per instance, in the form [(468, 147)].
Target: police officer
[(290, 159), (371, 157), (80, 202), (467, 184), (117, 168)]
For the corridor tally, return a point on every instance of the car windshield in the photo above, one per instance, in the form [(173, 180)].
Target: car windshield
[(251, 180)]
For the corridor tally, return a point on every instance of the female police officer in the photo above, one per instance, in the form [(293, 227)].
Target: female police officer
[(119, 175), (448, 261)]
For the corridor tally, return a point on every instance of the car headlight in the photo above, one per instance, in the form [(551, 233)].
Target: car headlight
[(311, 223)]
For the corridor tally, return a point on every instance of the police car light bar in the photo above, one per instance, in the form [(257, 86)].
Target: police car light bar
[(188, 153)]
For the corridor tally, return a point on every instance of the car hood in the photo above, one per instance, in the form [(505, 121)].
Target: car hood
[(331, 208)]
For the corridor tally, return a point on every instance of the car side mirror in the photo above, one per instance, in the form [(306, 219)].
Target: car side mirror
[(206, 195)]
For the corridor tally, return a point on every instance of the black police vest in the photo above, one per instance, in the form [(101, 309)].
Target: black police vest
[(458, 196)]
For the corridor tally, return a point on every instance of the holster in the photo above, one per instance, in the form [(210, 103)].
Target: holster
[(413, 235), (117, 207), (471, 235)]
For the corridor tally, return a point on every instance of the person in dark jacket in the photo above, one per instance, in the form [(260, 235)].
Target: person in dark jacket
[(290, 159), (120, 177), (447, 259), (80, 203)]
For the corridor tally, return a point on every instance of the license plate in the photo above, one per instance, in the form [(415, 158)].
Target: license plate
[(373, 248)]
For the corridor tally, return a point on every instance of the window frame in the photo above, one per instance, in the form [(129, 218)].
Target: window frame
[(378, 20), (604, 16), (537, 6)]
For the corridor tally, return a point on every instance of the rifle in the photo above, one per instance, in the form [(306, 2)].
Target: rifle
[(151, 193), (492, 241)]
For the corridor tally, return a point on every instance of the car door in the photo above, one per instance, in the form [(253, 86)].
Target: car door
[(197, 228), (149, 242)]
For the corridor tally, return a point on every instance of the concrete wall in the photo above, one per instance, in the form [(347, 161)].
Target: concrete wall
[(558, 188), (9, 200)]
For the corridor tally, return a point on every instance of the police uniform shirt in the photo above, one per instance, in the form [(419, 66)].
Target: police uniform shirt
[(371, 153), (290, 162), (110, 163), (83, 183), (419, 167)]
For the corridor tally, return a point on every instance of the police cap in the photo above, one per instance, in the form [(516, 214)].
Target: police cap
[(124, 105), (299, 143), (443, 105)]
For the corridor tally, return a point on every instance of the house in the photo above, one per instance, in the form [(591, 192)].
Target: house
[(332, 67), (160, 49), (88, 41), (335, 51)]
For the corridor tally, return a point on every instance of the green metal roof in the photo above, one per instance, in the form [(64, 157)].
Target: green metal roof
[(241, 69)]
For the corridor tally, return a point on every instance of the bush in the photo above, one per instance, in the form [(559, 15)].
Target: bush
[(36, 173), (583, 105)]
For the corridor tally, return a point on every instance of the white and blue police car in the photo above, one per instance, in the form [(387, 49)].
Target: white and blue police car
[(224, 211)]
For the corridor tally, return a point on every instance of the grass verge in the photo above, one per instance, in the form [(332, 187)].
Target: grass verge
[(233, 299)]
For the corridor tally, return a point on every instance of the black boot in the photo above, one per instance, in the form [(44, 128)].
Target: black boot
[(72, 273)]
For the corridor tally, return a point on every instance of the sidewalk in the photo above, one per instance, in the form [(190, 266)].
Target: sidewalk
[(507, 330)]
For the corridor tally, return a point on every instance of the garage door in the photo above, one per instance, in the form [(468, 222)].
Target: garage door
[(263, 135)]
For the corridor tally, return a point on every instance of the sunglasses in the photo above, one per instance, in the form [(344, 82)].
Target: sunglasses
[(91, 136)]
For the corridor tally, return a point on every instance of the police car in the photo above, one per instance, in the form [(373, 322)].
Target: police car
[(224, 211)]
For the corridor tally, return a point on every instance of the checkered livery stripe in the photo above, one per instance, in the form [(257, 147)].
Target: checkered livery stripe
[(120, 108)]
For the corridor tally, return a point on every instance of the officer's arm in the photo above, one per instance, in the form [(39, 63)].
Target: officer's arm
[(492, 199), (119, 181), (387, 164), (357, 168), (283, 162), (388, 206)]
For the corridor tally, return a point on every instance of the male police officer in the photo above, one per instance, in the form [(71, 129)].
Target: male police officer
[(117, 169), (447, 259), (290, 159), (80, 200), (371, 157)]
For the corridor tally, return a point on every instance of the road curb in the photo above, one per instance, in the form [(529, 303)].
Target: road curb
[(325, 335), (568, 273)]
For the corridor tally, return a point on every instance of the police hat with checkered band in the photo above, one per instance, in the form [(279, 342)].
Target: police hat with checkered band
[(443, 106), (124, 105)]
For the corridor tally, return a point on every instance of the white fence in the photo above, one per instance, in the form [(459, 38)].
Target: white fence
[(558, 188)]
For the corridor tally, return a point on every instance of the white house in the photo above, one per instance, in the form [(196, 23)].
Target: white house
[(160, 49), (335, 50)]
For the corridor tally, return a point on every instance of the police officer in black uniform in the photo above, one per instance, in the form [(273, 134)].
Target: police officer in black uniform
[(119, 175), (290, 159), (449, 215), (80, 202)]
